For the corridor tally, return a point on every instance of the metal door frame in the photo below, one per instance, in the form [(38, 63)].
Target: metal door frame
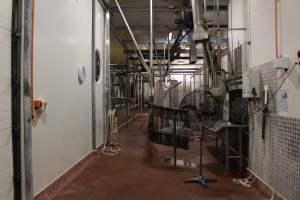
[(106, 63)]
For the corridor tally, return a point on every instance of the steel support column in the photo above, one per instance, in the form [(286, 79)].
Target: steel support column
[(27, 101)]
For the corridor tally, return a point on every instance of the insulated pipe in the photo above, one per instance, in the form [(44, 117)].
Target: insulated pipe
[(200, 33), (277, 29), (133, 38)]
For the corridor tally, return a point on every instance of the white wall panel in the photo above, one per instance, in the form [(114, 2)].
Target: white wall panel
[(6, 162), (5, 14), (261, 31), (290, 45), (236, 21), (63, 135)]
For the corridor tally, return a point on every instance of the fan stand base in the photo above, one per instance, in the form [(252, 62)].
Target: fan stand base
[(201, 180)]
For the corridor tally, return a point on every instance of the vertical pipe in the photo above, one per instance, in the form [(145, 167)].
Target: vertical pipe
[(16, 44), (141, 92), (92, 77), (190, 84), (201, 152), (277, 29), (32, 60), (127, 89), (164, 63), (27, 98), (175, 144), (184, 84), (138, 91), (107, 84), (136, 88), (151, 34), (194, 90), (219, 35), (226, 151), (169, 53)]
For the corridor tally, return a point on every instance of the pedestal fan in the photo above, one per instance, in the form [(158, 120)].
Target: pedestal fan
[(205, 111)]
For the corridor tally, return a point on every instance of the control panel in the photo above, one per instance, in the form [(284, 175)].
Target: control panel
[(252, 83)]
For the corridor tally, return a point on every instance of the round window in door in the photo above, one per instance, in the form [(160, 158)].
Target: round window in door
[(98, 65)]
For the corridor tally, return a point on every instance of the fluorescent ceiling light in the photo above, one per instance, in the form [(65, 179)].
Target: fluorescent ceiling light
[(170, 36)]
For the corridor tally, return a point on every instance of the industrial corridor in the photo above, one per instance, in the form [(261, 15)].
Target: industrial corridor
[(147, 178), (149, 99)]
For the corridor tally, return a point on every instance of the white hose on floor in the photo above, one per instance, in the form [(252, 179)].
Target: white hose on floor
[(246, 183), (273, 196), (111, 145)]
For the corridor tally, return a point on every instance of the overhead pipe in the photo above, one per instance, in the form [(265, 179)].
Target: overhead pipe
[(133, 38)]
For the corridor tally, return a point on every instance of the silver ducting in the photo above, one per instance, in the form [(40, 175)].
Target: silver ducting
[(200, 34)]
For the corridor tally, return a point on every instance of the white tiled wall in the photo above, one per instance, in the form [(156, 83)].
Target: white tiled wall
[(276, 160), (6, 164)]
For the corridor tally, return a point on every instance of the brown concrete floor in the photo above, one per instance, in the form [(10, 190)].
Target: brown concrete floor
[(129, 176)]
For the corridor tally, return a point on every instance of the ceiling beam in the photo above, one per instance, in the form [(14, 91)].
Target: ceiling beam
[(170, 8), (159, 51), (178, 69), (163, 41), (118, 37), (147, 27), (147, 9), (161, 57), (146, 41), (164, 27)]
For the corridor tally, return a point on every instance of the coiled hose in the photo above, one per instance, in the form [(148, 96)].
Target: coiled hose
[(111, 145)]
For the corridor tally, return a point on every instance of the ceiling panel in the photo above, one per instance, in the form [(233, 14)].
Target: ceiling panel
[(137, 15)]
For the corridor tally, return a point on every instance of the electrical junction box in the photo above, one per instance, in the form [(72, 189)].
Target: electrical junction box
[(252, 83)]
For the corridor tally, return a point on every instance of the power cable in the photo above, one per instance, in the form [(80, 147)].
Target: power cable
[(246, 183), (252, 118)]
